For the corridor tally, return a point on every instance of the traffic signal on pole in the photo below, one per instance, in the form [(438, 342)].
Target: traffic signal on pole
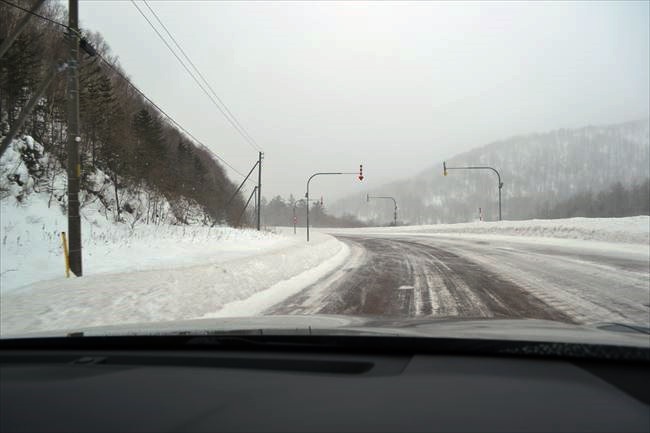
[(321, 200), (360, 171), (444, 168)]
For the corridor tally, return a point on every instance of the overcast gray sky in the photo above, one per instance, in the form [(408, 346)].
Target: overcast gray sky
[(397, 86)]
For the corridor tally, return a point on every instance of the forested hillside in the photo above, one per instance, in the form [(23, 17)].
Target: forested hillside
[(280, 212), (539, 172), (615, 201), (137, 164)]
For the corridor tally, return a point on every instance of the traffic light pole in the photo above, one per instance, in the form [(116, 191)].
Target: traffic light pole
[(360, 174), (500, 184), (295, 220), (368, 197)]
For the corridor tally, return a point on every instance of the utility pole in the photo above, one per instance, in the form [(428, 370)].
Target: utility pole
[(232, 197), (368, 197), (499, 183), (259, 190), (74, 167)]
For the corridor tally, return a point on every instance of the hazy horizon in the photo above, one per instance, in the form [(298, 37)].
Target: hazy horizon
[(395, 86)]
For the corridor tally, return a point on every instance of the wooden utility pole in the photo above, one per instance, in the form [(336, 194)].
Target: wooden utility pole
[(74, 166), (259, 190)]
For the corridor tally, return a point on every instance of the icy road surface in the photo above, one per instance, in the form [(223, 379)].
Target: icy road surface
[(454, 276)]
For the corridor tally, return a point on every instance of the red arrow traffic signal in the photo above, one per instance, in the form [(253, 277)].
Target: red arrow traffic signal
[(360, 171)]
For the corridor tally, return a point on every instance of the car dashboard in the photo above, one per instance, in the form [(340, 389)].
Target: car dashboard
[(346, 384)]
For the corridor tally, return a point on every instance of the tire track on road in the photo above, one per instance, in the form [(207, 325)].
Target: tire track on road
[(400, 277)]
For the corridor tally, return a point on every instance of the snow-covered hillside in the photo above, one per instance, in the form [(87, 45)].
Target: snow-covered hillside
[(133, 270), (538, 170)]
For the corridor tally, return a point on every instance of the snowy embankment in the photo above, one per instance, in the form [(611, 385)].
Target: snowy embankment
[(148, 274), (634, 230), (627, 236)]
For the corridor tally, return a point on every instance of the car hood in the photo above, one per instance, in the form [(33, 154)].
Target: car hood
[(490, 329)]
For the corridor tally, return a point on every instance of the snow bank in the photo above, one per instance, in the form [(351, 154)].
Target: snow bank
[(164, 294), (265, 299), (31, 248), (633, 230), (142, 273)]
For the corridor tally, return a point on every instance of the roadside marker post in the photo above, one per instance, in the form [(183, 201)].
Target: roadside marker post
[(66, 256)]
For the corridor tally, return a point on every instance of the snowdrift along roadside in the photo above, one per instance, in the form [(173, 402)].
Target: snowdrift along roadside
[(632, 230), (166, 294), (31, 248), (145, 273)]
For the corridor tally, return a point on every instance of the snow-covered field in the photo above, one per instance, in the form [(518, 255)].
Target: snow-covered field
[(148, 274), (633, 230), (32, 248), (169, 273), (133, 272)]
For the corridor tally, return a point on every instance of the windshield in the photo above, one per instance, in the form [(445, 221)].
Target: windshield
[(367, 166)]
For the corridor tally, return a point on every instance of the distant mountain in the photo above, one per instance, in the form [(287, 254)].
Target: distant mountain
[(538, 171)]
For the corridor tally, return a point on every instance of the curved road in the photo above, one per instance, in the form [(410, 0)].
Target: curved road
[(452, 277)]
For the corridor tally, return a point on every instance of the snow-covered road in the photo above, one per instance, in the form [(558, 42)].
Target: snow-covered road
[(464, 275), (575, 270)]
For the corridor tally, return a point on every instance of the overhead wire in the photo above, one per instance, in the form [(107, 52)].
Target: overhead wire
[(214, 102), (140, 92), (35, 14), (180, 48), (171, 119)]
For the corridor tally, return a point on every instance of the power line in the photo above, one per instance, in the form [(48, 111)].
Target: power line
[(234, 125), (35, 14), (140, 92), (250, 138), (117, 71), (178, 125)]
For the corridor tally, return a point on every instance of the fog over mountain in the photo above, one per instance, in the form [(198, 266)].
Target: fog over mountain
[(538, 170)]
